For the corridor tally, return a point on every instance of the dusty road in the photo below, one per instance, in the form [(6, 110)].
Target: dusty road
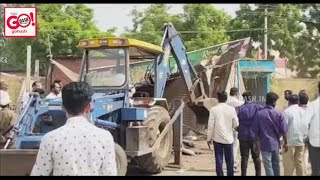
[(200, 165)]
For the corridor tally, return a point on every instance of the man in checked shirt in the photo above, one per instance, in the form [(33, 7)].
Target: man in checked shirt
[(78, 147)]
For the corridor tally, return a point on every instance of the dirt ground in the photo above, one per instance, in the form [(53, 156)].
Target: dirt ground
[(202, 164), (14, 85)]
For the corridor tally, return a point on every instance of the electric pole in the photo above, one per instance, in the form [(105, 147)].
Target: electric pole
[(266, 32)]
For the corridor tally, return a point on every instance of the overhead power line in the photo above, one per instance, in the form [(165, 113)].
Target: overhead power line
[(269, 31), (181, 32)]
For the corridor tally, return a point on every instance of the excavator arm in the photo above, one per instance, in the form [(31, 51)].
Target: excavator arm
[(173, 43)]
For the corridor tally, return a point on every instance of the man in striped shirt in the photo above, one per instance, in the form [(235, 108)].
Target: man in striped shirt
[(297, 130)]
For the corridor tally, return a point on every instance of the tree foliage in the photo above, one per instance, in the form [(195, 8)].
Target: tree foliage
[(203, 24), (307, 61), (61, 25), (283, 24), (286, 32), (148, 25), (208, 24)]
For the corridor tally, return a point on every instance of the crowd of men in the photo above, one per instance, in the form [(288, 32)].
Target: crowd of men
[(76, 148), (266, 132), (8, 116), (80, 148)]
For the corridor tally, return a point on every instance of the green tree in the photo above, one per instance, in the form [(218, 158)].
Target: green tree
[(201, 25), (307, 61), (283, 25), (148, 25), (66, 26), (61, 25), (1, 16), (207, 25)]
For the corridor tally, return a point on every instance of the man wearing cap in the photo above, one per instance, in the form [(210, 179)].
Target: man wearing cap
[(7, 118)]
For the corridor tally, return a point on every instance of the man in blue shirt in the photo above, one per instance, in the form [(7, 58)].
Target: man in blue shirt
[(247, 115), (269, 126)]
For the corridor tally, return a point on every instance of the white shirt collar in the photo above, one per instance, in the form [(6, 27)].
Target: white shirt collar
[(77, 119)]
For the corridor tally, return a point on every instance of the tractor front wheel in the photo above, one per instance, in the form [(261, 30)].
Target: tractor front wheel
[(154, 162)]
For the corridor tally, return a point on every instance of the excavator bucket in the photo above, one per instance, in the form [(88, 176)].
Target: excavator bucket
[(17, 162)]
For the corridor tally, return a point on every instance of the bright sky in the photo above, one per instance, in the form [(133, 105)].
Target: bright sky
[(117, 15)]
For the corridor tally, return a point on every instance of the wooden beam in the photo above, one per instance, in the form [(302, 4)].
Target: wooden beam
[(71, 75)]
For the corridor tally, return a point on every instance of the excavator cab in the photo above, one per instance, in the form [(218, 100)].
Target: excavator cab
[(105, 64)]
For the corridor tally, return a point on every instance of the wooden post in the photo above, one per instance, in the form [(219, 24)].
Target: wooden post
[(265, 33), (28, 70), (177, 135), (50, 68), (36, 69)]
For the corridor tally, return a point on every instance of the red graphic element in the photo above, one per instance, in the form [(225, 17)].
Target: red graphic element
[(19, 21), (281, 63), (10, 24), (31, 15), (22, 19)]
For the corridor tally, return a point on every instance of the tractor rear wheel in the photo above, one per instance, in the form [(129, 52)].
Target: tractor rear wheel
[(121, 160), (154, 162)]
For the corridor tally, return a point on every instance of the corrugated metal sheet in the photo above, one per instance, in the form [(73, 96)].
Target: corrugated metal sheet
[(176, 90)]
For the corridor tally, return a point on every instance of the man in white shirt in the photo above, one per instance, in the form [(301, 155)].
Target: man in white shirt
[(36, 86), (4, 89), (313, 113), (78, 147), (287, 94), (221, 124), (55, 90), (3, 86), (297, 130), (234, 101), (306, 161)]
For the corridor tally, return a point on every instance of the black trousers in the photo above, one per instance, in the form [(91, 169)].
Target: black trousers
[(225, 150), (245, 148), (314, 155)]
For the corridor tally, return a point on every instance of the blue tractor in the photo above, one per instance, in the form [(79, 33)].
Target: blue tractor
[(141, 122)]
